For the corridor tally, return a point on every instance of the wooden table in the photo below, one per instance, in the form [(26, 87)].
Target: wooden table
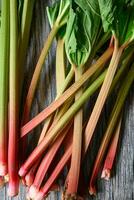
[(121, 186)]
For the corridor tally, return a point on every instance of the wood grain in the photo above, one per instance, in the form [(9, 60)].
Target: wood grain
[(121, 186)]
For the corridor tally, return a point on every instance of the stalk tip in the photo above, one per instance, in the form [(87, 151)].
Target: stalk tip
[(23, 181), (13, 189), (1, 181), (27, 196), (29, 179), (92, 190), (39, 196), (6, 178), (3, 169), (33, 191), (106, 174), (22, 171)]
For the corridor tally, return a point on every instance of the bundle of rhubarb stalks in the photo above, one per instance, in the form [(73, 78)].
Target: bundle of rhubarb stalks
[(94, 57)]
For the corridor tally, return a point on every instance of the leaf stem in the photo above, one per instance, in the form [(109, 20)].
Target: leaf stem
[(36, 74)]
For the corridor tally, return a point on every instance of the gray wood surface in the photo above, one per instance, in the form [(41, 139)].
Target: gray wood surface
[(121, 186)]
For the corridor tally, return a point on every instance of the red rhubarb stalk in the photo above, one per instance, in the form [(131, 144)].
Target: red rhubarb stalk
[(113, 120), (65, 158), (60, 125), (13, 104), (68, 93), (108, 165), (4, 73), (48, 158), (74, 171)]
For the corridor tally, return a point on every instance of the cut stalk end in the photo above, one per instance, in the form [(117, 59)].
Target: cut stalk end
[(27, 196), (29, 178), (13, 189), (70, 197), (22, 171), (39, 196), (23, 181), (2, 182), (106, 174), (3, 169), (92, 190), (33, 191), (6, 178)]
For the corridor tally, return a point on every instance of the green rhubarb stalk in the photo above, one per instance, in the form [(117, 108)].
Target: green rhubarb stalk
[(67, 94), (60, 125), (13, 104), (60, 21), (25, 25), (60, 65), (4, 71), (113, 119), (61, 81), (26, 20), (103, 94), (67, 81)]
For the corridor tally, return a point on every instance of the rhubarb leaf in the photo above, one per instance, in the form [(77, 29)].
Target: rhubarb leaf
[(118, 17), (58, 12), (83, 27), (52, 13)]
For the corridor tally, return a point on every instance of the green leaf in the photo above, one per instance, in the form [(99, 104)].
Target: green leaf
[(118, 17), (52, 13), (83, 27), (59, 12)]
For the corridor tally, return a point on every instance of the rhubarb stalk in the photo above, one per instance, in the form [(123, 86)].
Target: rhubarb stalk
[(60, 125), (77, 146), (109, 160), (60, 78), (4, 71), (103, 94), (45, 189), (34, 189), (60, 21), (66, 95), (13, 104), (113, 119)]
